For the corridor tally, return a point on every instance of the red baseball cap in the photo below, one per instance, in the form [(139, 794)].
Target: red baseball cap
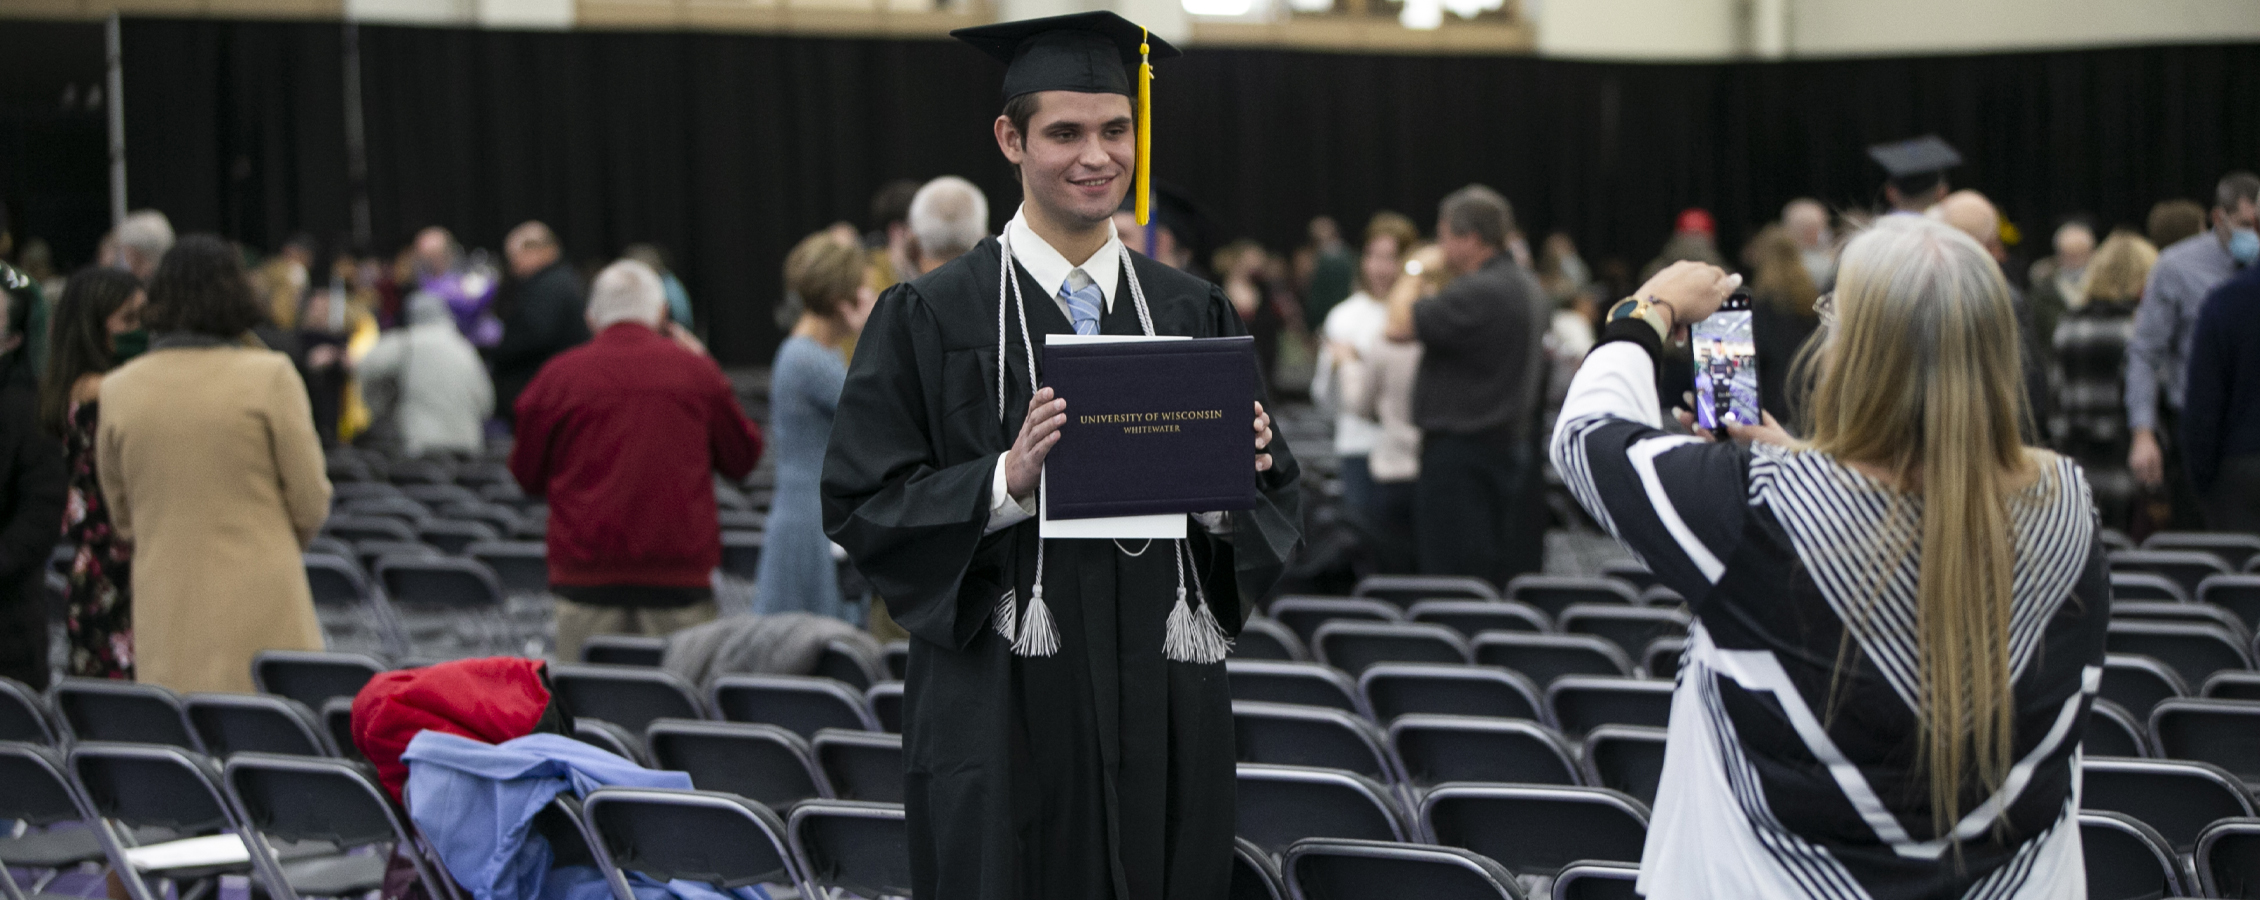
[(1695, 219)]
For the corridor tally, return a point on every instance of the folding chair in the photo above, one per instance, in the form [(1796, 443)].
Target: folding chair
[(1353, 646), (1581, 703), (320, 545), (397, 507), (479, 475), (861, 765), (1405, 590), (1552, 594), (722, 840), (741, 553), (521, 566), (611, 739), (286, 800), (1439, 749), (343, 592), (863, 848), (1626, 758), (1474, 617), (2179, 798), (2187, 567), (1261, 637), (533, 520), (627, 696), (2225, 733), (624, 650), (2112, 731), (2228, 858), (897, 655), (1629, 572), (2188, 613), (802, 704), (1304, 615), (763, 763), (422, 470), (2231, 685), (1280, 734), (1305, 684), (2239, 594), (2194, 651), (1632, 629), (343, 492), (1661, 659), (140, 786), (370, 551), (368, 528), (1594, 880), (2138, 682), (2126, 859), (22, 717), (1537, 830), (1331, 867), (2133, 585), (845, 663), (229, 724), (1391, 690), (885, 699), (446, 595), (502, 519), (313, 677), (1662, 597), (1279, 805), (1254, 875), (39, 795), (93, 709), (1545, 657), (438, 495), (2233, 549)]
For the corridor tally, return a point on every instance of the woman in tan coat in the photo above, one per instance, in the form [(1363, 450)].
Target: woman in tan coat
[(208, 456)]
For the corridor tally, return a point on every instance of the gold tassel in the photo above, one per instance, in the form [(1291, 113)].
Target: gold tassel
[(1145, 185)]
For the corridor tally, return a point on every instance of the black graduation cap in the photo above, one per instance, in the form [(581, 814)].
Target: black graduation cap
[(1916, 164), (1084, 52)]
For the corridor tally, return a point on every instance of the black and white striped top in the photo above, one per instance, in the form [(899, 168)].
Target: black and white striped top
[(1772, 787)]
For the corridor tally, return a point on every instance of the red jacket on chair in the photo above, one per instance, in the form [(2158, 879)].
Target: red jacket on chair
[(492, 699), (622, 435)]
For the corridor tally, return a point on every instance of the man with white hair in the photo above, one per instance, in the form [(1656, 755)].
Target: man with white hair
[(141, 240), (622, 435), (947, 217)]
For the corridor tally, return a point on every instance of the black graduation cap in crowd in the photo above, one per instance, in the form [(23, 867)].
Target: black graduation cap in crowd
[(1916, 164), (1085, 52)]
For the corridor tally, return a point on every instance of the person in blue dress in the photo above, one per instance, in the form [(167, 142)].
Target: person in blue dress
[(832, 281)]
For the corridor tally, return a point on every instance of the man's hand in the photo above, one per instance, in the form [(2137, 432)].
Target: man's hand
[(1263, 439), (1024, 463), (2144, 458)]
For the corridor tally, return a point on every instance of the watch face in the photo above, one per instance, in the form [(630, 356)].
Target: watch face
[(1624, 308)]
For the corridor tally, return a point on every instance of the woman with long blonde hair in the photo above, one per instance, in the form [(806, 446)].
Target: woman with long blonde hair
[(1899, 624)]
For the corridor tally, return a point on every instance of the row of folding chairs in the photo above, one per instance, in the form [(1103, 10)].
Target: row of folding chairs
[(2223, 732), (1421, 750), (1351, 633), (84, 710), (1619, 584), (1650, 645), (2239, 594), (415, 599), (1384, 692), (296, 818), (1332, 867), (370, 520)]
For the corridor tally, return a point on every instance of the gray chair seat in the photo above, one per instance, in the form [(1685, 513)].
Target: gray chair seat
[(335, 876)]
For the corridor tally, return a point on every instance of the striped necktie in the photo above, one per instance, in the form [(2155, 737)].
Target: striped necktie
[(1083, 303)]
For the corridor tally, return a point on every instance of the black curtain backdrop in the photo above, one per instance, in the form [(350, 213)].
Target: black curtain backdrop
[(726, 148)]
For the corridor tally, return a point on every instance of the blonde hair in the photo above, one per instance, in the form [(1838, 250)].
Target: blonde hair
[(2119, 268), (825, 273), (1921, 378)]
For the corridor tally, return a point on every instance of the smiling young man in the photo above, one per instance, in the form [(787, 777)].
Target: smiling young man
[(1096, 762)]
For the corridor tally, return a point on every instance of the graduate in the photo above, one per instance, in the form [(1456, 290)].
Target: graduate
[(1067, 728)]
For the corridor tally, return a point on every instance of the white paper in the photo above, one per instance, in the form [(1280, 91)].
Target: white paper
[(198, 852), (1166, 526)]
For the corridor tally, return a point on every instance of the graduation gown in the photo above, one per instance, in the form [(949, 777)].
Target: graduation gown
[(1105, 770)]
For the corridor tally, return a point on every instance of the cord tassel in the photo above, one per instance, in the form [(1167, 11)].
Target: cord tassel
[(1193, 634), (1038, 636)]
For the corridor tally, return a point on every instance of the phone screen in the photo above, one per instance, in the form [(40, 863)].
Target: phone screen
[(1726, 368)]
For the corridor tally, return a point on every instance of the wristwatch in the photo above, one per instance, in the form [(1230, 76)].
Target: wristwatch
[(1640, 308)]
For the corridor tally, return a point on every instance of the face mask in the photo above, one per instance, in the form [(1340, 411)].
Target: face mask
[(2244, 245), (126, 345)]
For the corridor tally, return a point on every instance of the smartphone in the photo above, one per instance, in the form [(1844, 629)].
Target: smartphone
[(1726, 367)]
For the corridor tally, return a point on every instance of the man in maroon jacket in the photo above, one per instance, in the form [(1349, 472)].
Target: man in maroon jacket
[(620, 434)]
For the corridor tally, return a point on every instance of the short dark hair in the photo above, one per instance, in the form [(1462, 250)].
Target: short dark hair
[(1019, 111), (892, 203), (1480, 211), (200, 287), (2235, 188)]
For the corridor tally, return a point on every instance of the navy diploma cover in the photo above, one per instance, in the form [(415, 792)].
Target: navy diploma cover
[(1153, 427)]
